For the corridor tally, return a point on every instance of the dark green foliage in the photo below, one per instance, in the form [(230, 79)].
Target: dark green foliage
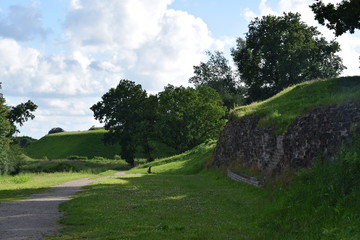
[(23, 141), (5, 129), (56, 130), (282, 51), (343, 17), (217, 73), (126, 114), (188, 117)]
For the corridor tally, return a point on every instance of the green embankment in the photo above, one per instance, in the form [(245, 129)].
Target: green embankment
[(281, 109), (81, 143)]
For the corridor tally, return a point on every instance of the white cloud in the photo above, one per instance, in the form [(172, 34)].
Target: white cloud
[(105, 41), (22, 23), (248, 14), (151, 44)]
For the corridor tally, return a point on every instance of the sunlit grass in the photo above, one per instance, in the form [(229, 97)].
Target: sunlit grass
[(189, 162), (281, 109), (205, 206), (83, 143), (14, 187)]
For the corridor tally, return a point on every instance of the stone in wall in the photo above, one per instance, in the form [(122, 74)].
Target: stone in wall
[(320, 131)]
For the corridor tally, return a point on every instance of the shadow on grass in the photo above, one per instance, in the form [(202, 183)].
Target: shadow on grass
[(163, 207)]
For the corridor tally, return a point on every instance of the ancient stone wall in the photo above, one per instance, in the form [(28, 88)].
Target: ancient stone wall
[(318, 132)]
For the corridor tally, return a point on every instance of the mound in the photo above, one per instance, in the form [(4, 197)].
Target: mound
[(82, 143), (291, 129)]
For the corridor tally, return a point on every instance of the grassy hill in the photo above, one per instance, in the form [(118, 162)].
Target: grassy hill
[(281, 109), (81, 143)]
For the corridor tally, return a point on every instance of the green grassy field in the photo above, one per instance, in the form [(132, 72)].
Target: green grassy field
[(184, 200), (320, 203), (38, 175), (81, 143)]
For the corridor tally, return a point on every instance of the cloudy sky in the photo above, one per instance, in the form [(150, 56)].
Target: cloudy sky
[(65, 54)]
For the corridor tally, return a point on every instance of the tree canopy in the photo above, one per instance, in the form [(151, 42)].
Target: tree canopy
[(5, 128), (9, 116), (279, 51), (343, 17), (188, 116), (122, 110), (180, 117), (217, 74)]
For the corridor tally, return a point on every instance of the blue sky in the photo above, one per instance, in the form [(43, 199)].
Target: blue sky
[(65, 54)]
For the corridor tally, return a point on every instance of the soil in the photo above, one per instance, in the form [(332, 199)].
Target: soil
[(37, 216)]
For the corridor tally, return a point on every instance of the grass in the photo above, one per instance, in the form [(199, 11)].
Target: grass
[(282, 109), (320, 203), (14, 187), (204, 206), (189, 162), (82, 143), (38, 175)]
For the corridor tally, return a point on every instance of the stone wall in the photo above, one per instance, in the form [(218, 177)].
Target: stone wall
[(318, 132)]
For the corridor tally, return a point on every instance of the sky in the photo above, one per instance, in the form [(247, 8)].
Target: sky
[(65, 54)]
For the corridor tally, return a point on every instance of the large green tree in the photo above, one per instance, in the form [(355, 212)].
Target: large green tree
[(125, 112), (217, 73), (279, 51), (5, 128), (188, 116), (342, 17), (9, 117)]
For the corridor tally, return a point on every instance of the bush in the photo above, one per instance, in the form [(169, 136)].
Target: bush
[(56, 130)]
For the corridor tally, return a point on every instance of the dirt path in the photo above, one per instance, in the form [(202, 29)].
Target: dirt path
[(31, 218)]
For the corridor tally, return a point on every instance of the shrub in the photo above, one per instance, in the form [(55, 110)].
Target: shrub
[(56, 130)]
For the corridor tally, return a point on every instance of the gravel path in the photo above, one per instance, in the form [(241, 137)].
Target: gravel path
[(30, 218)]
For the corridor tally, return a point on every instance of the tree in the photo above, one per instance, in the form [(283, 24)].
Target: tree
[(56, 130), (282, 51), (217, 73), (9, 116), (20, 114), (343, 17), (5, 128), (188, 117), (123, 110)]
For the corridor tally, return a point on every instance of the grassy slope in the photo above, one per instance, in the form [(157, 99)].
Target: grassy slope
[(282, 109), (82, 143), (189, 162)]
